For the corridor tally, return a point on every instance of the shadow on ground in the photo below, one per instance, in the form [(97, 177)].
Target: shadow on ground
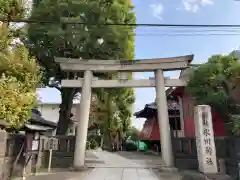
[(59, 174), (92, 158), (137, 155)]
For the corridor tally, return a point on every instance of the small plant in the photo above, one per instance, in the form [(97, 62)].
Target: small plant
[(235, 124), (94, 144), (88, 145)]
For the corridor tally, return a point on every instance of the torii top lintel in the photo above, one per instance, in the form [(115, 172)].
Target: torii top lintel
[(172, 63)]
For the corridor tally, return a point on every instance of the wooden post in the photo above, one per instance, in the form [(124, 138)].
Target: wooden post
[(50, 160)]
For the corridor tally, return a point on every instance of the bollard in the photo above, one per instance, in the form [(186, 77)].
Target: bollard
[(222, 166)]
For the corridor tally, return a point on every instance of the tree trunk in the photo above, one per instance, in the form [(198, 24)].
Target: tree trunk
[(67, 95), (109, 139), (108, 134), (101, 144), (119, 141)]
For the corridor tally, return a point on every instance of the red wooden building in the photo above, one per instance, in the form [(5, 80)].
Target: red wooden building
[(181, 115), (181, 112)]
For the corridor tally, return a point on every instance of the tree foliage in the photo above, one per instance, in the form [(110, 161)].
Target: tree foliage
[(18, 83), (215, 82), (19, 72), (112, 115), (80, 41), (10, 9), (19, 77), (133, 133)]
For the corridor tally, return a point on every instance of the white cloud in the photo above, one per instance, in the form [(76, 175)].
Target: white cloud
[(206, 2), (157, 10), (195, 5), (189, 7)]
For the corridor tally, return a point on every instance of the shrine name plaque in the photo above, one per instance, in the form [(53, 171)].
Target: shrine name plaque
[(206, 149)]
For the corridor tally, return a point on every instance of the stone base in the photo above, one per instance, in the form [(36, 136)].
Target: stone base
[(218, 176), (193, 175), (167, 169), (79, 169)]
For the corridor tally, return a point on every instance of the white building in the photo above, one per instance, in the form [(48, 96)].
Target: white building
[(49, 102), (50, 111)]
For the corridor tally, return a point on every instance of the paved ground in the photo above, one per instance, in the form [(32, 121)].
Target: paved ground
[(126, 166), (123, 166), (121, 174), (105, 165), (123, 160)]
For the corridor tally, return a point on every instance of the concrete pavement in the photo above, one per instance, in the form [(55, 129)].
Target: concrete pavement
[(57, 175), (98, 174), (122, 166), (123, 159), (121, 174), (103, 165)]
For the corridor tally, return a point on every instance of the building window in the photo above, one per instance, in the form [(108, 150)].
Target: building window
[(175, 123)]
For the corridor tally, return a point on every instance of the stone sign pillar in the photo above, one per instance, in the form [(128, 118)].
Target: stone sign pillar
[(205, 139), (164, 127), (83, 117)]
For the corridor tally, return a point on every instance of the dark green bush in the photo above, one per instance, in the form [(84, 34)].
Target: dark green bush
[(88, 147), (130, 147), (96, 138), (94, 144)]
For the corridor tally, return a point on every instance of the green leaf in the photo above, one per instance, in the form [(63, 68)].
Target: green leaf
[(214, 82), (19, 77)]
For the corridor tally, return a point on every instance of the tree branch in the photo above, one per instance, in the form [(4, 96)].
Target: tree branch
[(55, 86)]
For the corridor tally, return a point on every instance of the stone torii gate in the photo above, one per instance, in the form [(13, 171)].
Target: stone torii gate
[(88, 82)]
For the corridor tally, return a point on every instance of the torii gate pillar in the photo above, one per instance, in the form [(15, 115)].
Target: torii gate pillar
[(83, 116), (164, 127)]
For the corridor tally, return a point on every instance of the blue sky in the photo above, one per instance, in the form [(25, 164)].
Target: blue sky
[(150, 44)]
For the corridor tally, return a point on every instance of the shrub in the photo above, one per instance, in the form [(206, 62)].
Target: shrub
[(88, 145), (94, 144), (131, 147), (95, 138)]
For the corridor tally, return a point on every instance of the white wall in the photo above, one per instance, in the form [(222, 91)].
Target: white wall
[(51, 111)]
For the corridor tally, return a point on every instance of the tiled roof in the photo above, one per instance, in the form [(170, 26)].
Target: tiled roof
[(36, 120), (153, 105), (171, 106)]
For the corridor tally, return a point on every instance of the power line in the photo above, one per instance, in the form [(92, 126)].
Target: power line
[(160, 32), (158, 35), (193, 31), (174, 35), (130, 34), (121, 24)]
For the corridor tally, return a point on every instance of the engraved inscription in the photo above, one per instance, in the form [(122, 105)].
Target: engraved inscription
[(126, 63)]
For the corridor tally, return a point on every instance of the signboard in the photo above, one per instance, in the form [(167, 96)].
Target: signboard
[(51, 144), (205, 139), (35, 145)]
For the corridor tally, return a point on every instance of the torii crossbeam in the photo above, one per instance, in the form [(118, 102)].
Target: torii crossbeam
[(145, 65)]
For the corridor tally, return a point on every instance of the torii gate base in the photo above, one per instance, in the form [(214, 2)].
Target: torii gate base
[(88, 82)]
